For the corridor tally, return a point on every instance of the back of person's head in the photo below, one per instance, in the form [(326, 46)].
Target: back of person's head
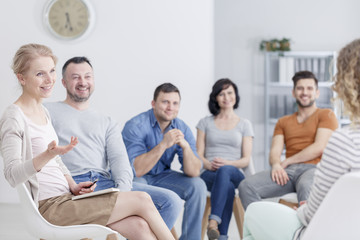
[(347, 79), (27, 53), (165, 88), (76, 60), (304, 75), (220, 85)]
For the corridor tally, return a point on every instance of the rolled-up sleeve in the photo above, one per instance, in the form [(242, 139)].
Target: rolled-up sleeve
[(189, 137), (134, 142)]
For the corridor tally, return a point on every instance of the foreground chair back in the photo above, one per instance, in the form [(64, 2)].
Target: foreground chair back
[(38, 227), (238, 209), (338, 214)]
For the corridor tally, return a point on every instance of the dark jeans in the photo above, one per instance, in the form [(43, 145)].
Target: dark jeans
[(222, 184)]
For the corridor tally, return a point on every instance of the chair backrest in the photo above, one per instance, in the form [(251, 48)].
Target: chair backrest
[(38, 227), (33, 219), (338, 214), (250, 169)]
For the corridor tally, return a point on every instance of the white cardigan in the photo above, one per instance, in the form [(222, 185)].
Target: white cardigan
[(15, 148)]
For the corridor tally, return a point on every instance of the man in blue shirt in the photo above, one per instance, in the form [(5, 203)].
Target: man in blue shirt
[(152, 139)]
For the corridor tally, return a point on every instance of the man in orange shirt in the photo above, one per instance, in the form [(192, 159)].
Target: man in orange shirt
[(305, 135)]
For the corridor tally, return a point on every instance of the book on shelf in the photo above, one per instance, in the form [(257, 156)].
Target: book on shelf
[(286, 69)]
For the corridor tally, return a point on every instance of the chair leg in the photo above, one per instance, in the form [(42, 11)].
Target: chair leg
[(112, 236), (205, 219), (238, 211), (289, 204), (173, 232)]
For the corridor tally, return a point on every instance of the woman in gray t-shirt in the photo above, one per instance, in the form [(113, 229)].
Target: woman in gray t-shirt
[(224, 144)]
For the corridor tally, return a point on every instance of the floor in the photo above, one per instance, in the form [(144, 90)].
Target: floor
[(233, 231)]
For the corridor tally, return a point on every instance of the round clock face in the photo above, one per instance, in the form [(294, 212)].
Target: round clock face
[(68, 19)]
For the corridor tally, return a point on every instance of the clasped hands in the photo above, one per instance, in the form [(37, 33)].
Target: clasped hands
[(215, 164), (175, 136)]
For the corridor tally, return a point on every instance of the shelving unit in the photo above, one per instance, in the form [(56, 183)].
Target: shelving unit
[(280, 67)]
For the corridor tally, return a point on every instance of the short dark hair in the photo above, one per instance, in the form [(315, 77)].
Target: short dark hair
[(303, 75), (220, 85), (75, 60), (165, 88)]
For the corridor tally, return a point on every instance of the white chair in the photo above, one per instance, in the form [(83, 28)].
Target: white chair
[(338, 215), (38, 227), (238, 209)]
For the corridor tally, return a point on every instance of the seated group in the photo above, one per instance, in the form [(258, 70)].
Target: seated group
[(138, 158)]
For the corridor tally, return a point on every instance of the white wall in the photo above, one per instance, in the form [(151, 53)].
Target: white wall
[(240, 26), (134, 47), (137, 45)]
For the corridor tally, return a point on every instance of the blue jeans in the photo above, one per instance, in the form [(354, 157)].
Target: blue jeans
[(222, 184), (193, 191), (167, 202), (261, 185)]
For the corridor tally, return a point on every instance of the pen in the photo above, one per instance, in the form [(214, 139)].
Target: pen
[(93, 183)]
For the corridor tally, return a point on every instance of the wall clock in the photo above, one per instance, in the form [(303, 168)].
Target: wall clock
[(69, 19)]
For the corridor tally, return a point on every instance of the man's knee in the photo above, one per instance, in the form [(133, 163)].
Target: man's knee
[(196, 186), (247, 193), (244, 187), (199, 184), (173, 200)]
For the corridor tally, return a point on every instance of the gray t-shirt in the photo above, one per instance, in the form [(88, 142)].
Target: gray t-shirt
[(226, 144)]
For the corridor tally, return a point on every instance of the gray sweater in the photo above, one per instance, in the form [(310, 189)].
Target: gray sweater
[(100, 148)]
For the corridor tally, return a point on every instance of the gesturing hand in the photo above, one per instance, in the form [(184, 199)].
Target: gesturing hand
[(54, 149)]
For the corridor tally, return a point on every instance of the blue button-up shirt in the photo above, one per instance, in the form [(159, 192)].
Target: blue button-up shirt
[(142, 133)]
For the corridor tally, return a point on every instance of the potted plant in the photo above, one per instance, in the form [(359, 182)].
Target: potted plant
[(284, 44)]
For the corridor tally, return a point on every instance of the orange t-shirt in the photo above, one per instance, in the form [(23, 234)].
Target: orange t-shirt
[(298, 136)]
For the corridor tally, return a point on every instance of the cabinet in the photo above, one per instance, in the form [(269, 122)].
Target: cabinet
[(280, 67)]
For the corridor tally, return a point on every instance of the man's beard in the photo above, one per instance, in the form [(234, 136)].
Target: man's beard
[(305, 106), (76, 98)]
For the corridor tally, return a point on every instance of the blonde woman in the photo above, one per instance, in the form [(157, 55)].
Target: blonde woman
[(29, 148), (341, 155)]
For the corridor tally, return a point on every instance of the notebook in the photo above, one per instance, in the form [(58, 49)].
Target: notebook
[(104, 191)]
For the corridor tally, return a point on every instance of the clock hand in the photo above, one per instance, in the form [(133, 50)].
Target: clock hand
[(68, 23)]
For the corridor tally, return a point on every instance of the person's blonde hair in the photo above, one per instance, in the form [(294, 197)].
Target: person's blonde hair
[(347, 79), (28, 52)]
